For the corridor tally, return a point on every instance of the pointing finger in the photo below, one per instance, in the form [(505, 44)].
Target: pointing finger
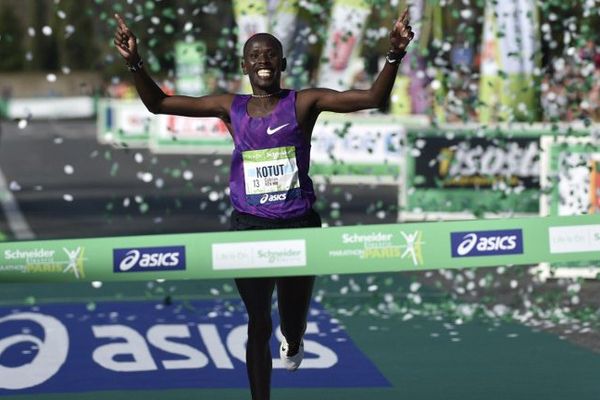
[(404, 17), (120, 21)]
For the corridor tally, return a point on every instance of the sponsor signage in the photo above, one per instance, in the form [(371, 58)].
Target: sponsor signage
[(59, 348), (477, 162), (381, 245), (308, 251), (574, 239), (40, 260), (149, 259), (487, 243), (267, 254)]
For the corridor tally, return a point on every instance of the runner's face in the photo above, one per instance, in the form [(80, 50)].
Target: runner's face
[(263, 63)]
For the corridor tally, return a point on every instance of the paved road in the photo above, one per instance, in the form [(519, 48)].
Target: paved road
[(66, 184)]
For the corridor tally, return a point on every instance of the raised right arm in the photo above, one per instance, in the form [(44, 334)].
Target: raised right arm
[(157, 101)]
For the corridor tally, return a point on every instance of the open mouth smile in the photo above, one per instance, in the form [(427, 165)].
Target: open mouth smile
[(264, 73)]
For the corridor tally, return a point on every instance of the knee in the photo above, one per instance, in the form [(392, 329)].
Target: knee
[(260, 328)]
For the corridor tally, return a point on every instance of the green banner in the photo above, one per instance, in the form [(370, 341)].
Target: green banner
[(318, 251)]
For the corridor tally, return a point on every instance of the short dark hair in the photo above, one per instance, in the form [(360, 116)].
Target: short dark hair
[(262, 35)]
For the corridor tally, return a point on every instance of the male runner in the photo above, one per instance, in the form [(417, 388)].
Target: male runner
[(269, 183)]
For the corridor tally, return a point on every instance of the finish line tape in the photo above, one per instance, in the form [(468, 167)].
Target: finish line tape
[(309, 251)]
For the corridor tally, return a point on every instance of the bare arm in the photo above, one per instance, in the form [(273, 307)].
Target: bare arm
[(319, 100), (157, 101)]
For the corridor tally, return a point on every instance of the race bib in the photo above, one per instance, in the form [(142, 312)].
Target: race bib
[(270, 175)]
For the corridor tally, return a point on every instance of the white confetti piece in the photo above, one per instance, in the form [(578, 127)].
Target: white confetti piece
[(213, 196)]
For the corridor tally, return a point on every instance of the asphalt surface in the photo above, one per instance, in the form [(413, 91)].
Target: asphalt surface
[(68, 185)]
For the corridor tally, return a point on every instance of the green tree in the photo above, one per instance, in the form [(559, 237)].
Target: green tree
[(11, 40), (45, 47)]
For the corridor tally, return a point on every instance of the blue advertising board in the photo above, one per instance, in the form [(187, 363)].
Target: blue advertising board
[(58, 348)]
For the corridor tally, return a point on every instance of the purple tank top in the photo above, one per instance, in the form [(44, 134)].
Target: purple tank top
[(270, 161)]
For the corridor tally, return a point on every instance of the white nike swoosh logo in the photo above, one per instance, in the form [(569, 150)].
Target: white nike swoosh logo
[(275, 130)]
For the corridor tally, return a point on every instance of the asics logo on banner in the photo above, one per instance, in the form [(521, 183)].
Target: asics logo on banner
[(275, 130), (48, 349), (149, 259), (267, 198), (487, 243)]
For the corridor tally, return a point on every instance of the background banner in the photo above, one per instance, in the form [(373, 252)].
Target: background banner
[(251, 17), (509, 56), (458, 169)]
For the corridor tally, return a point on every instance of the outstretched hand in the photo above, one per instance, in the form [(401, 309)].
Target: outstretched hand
[(126, 42), (401, 34)]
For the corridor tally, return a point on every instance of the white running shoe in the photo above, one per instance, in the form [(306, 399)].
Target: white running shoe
[(293, 362)]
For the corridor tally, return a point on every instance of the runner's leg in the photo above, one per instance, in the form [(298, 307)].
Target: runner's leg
[(293, 301), (256, 293)]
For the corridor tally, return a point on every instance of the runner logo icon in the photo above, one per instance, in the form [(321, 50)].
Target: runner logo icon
[(149, 259), (487, 243)]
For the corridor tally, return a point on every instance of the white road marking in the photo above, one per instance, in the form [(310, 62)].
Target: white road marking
[(16, 221)]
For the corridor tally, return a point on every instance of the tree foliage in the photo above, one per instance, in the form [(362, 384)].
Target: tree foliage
[(11, 40)]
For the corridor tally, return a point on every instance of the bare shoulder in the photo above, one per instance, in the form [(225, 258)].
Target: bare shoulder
[(224, 100)]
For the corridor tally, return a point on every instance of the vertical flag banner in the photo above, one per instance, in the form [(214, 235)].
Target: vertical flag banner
[(190, 59), (286, 25), (508, 61), (251, 18), (409, 93), (282, 21), (340, 54), (431, 28)]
